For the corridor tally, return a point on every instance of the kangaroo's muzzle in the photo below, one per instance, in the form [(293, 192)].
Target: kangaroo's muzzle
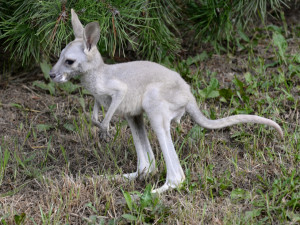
[(58, 77), (52, 75)]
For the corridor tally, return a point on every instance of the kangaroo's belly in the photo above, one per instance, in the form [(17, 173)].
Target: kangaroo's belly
[(130, 106)]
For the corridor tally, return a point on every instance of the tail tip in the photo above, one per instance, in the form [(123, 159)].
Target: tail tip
[(280, 132)]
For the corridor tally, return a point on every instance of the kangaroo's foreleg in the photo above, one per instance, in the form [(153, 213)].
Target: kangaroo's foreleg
[(95, 114), (117, 90)]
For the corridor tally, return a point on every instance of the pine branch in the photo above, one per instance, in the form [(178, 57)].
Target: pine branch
[(33, 29)]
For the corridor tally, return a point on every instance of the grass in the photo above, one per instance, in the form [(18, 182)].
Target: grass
[(51, 156)]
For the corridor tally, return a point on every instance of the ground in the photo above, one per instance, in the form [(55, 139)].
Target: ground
[(51, 156)]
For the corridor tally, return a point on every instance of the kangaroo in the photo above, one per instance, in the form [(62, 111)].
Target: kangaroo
[(129, 90)]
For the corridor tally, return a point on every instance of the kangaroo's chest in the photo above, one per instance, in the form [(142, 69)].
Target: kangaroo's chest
[(131, 104)]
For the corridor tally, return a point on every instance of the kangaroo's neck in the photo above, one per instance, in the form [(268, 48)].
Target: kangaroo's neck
[(90, 76)]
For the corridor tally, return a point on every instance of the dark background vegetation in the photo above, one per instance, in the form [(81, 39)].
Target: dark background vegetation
[(32, 31)]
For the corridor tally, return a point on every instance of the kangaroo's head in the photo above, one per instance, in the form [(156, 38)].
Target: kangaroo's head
[(80, 55)]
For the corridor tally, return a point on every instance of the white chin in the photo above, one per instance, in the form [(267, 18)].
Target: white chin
[(61, 79)]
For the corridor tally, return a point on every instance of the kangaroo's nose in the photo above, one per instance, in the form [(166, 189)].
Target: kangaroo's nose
[(52, 75)]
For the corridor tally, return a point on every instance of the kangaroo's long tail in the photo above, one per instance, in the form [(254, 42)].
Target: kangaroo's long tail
[(197, 115)]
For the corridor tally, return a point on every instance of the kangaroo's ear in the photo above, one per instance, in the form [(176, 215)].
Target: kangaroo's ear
[(77, 26), (91, 35)]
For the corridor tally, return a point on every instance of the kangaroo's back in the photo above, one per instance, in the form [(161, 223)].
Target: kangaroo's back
[(142, 72)]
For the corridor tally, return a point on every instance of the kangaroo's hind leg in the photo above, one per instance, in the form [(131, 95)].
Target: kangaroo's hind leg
[(145, 156), (161, 112), (175, 175)]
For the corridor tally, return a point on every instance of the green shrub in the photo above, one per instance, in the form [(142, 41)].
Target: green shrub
[(31, 30), (216, 20)]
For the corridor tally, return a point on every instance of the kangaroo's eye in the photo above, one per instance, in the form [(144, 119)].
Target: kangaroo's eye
[(70, 61)]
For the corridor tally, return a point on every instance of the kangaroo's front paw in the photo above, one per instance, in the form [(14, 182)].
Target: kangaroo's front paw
[(104, 134)]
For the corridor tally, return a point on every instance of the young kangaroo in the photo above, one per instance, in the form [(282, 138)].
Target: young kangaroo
[(129, 90)]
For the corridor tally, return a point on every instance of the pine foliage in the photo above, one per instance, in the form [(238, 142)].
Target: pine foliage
[(30, 28), (151, 29)]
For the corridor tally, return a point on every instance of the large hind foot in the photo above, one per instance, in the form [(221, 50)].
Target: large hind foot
[(140, 175), (169, 185), (131, 176)]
